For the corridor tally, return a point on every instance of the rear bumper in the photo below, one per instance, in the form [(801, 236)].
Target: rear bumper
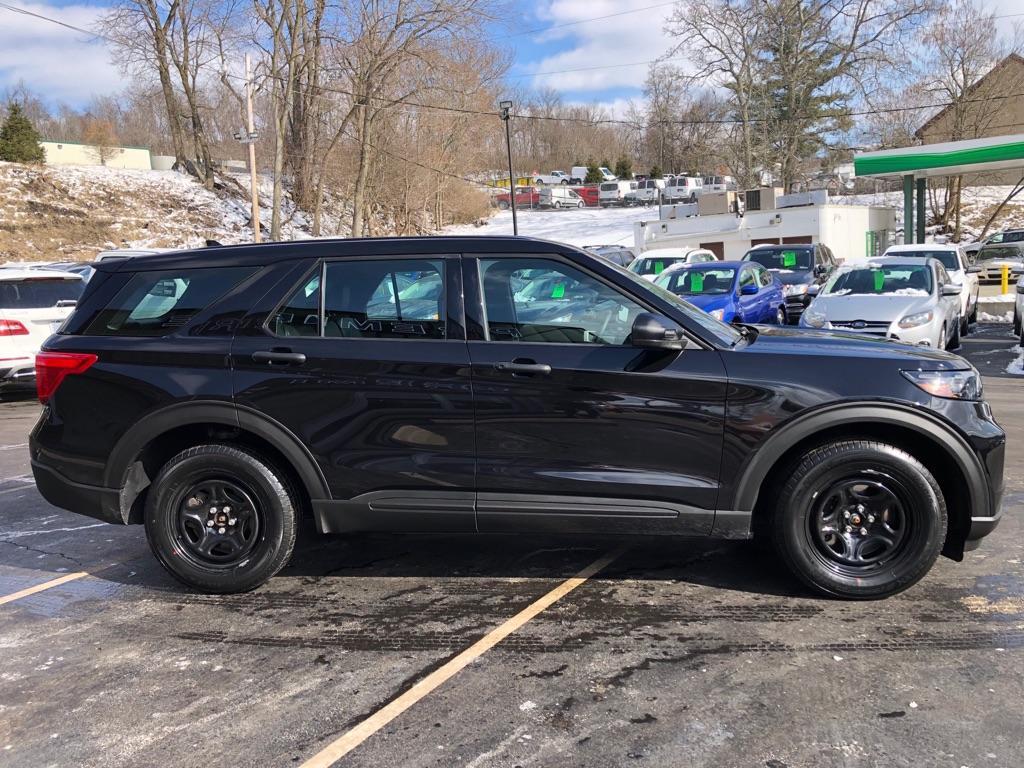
[(18, 373), (89, 500)]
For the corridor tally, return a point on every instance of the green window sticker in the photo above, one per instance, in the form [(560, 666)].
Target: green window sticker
[(696, 282), (558, 292), (659, 267), (789, 259), (879, 280)]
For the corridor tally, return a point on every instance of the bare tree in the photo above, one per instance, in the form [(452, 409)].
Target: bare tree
[(102, 139)]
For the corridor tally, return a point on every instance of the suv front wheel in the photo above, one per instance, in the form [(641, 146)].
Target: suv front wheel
[(221, 519), (859, 519)]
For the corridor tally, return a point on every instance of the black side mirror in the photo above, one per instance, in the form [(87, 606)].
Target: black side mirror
[(652, 331), (820, 270)]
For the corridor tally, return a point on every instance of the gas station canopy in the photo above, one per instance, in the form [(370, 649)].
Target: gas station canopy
[(915, 165)]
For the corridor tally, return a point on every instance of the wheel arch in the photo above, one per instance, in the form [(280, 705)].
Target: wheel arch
[(138, 454), (938, 446)]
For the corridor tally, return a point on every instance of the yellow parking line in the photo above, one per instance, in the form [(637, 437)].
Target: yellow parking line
[(360, 733), (42, 587)]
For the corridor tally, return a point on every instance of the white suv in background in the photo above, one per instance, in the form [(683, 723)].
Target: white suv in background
[(652, 263), (959, 269), (33, 304)]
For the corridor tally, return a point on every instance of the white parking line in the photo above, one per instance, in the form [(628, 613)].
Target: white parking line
[(13, 447), (345, 743)]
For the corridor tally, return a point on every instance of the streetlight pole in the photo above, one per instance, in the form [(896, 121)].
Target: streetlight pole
[(506, 114)]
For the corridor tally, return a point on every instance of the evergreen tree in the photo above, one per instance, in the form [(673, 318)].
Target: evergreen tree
[(606, 164), (593, 173), (655, 172), (624, 168), (19, 141)]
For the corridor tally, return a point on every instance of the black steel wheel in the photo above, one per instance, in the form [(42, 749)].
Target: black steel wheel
[(859, 519), (221, 519)]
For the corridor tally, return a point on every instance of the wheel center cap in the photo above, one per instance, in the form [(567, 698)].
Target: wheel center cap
[(855, 519)]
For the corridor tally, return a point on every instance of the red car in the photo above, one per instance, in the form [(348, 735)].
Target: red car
[(526, 197), (589, 195)]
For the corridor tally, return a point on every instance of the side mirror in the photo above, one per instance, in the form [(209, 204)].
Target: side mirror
[(748, 290), (652, 331), (974, 270), (951, 289), (813, 289)]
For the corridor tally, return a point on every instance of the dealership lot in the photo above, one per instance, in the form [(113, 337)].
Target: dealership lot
[(675, 653)]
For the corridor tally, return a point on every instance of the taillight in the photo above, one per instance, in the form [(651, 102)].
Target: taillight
[(52, 367), (12, 328)]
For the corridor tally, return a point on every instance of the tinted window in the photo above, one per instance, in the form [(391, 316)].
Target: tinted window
[(764, 277), (998, 252), (401, 298), (540, 300), (654, 265), (159, 303), (784, 258), (38, 292), (300, 314)]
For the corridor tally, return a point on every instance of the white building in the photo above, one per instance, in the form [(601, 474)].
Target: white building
[(853, 232), (76, 153)]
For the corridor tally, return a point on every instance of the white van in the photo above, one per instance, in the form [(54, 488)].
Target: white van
[(614, 192), (578, 174), (647, 192), (683, 189), (560, 197), (719, 184)]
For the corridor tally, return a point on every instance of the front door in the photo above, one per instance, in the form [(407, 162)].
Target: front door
[(576, 428), (365, 361)]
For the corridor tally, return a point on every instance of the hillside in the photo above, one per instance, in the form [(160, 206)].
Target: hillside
[(53, 213)]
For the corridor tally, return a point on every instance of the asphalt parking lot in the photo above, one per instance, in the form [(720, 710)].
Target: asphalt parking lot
[(674, 653)]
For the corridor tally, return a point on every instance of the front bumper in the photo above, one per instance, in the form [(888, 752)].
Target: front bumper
[(796, 304)]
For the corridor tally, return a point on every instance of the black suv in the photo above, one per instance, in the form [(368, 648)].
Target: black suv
[(495, 385), (802, 270)]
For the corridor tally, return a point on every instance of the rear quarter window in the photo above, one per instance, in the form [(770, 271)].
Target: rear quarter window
[(39, 292), (159, 303)]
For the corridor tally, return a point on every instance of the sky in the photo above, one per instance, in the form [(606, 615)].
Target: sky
[(593, 51)]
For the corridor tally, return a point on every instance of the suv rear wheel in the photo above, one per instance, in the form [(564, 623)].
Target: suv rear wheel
[(859, 519), (221, 519)]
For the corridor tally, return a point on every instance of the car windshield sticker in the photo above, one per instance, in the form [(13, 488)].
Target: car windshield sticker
[(879, 280), (696, 282), (659, 267), (558, 292), (788, 259)]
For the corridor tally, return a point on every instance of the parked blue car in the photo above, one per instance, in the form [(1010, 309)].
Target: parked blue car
[(732, 291)]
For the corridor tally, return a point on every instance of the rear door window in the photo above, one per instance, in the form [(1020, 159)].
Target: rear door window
[(39, 292), (158, 303)]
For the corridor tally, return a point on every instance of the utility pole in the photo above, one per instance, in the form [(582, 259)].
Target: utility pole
[(250, 130), (506, 114)]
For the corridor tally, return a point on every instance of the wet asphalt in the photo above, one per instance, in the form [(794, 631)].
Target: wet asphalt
[(680, 653)]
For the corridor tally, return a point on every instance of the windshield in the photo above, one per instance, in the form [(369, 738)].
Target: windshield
[(989, 253), (722, 333), (893, 279), (791, 259), (38, 292), (698, 282), (655, 266), (948, 258)]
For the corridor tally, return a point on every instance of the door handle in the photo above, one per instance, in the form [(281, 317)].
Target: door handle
[(523, 367), (277, 356)]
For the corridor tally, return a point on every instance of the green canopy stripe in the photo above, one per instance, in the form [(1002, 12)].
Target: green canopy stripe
[(869, 165)]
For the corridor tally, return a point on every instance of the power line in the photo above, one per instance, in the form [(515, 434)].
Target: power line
[(72, 27), (599, 66), (593, 18)]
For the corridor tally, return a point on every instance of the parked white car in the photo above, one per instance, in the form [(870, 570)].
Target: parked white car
[(555, 177), (614, 192), (650, 264), (958, 267), (911, 300), (560, 197), (578, 175), (33, 304), (683, 189), (647, 192)]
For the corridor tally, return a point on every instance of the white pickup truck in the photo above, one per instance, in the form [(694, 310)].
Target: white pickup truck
[(555, 177)]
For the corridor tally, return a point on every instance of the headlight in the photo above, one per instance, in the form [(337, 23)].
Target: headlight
[(717, 313), (956, 385), (794, 290), (813, 318), (913, 321)]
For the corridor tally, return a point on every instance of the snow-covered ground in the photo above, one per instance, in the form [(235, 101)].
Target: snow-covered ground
[(575, 226)]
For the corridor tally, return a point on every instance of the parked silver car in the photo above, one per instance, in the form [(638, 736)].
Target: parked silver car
[(991, 259), (902, 299)]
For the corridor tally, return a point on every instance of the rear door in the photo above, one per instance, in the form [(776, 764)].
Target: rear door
[(577, 430), (365, 361)]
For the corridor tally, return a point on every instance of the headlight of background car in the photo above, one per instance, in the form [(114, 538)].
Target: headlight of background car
[(813, 317), (912, 321), (956, 385), (717, 313), (794, 290)]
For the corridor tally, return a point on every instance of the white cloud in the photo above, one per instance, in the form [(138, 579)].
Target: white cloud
[(53, 61), (602, 43)]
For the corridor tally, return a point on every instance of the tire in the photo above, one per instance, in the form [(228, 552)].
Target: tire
[(974, 312), (556, 204), (954, 340), (565, 181), (503, 205), (780, 316), (965, 326), (540, 181), (580, 204), (243, 554), (827, 484)]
